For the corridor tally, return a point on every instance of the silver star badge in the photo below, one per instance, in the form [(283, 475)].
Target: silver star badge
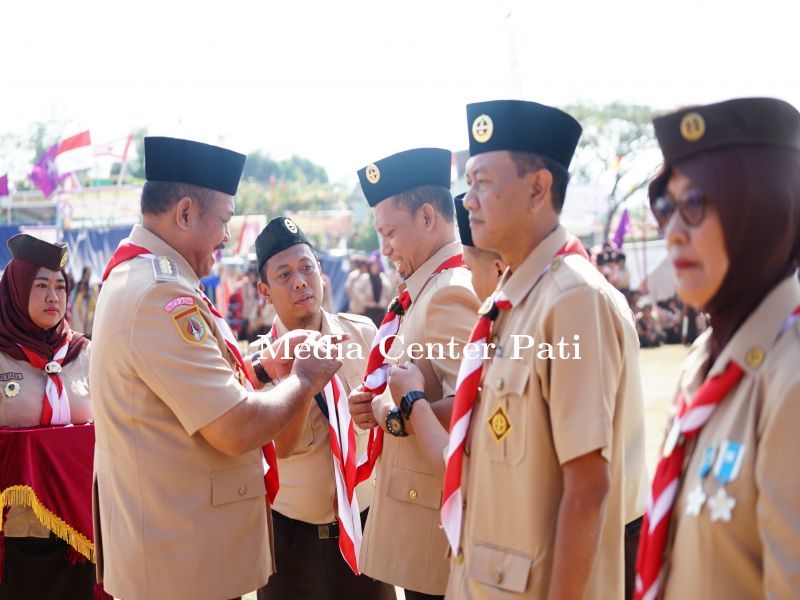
[(721, 506), (695, 500)]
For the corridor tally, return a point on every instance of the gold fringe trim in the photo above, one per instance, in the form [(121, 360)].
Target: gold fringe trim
[(23, 495)]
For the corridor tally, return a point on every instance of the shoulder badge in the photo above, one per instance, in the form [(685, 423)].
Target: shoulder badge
[(165, 269), (191, 325), (355, 318)]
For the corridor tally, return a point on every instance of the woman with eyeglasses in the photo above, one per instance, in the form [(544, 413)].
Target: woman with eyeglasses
[(723, 518), (44, 384)]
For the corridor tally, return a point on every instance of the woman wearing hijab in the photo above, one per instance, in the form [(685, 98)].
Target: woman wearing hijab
[(44, 368), (723, 519)]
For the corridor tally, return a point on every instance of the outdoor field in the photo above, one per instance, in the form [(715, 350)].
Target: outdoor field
[(660, 368)]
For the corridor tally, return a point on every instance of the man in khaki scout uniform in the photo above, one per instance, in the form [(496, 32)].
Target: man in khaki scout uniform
[(309, 562), (413, 209), (544, 488), (180, 508)]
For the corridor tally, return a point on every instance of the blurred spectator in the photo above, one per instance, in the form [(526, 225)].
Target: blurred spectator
[(373, 290), (83, 304), (358, 262), (327, 289), (648, 328)]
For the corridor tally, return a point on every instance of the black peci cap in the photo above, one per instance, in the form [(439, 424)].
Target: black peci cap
[(39, 252), (521, 126), (279, 234), (404, 171), (195, 163), (462, 217)]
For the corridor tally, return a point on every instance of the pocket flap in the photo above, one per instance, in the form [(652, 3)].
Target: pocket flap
[(414, 487), (499, 567), (508, 376), (241, 483)]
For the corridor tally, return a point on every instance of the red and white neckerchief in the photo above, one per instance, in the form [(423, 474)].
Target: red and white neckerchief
[(377, 371), (126, 251), (342, 434), (55, 404), (689, 421), (469, 377)]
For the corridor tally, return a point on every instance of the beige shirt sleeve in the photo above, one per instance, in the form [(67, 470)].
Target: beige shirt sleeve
[(450, 314), (778, 482), (192, 378), (581, 392)]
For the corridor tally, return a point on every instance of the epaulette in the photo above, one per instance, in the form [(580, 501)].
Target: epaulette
[(356, 318), (165, 268)]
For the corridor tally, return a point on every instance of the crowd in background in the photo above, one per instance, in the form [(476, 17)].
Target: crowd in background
[(666, 321), (370, 287)]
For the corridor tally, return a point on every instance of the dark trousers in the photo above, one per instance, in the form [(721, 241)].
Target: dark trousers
[(313, 569), (39, 568), (411, 595), (632, 531)]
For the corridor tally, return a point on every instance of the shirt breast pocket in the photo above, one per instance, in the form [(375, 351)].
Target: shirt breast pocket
[(504, 424)]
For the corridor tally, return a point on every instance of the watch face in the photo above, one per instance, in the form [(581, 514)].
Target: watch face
[(394, 423)]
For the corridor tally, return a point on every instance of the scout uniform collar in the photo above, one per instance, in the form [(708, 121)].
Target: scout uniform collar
[(416, 282), (518, 284), (155, 245), (754, 339)]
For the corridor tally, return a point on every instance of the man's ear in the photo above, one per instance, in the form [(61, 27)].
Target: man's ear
[(428, 215), (541, 185), (183, 212), (499, 267), (263, 289)]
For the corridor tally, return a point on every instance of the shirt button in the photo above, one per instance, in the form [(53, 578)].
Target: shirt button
[(500, 383), (498, 576), (243, 490), (460, 557), (412, 494)]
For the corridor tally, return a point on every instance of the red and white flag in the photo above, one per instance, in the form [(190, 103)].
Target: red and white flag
[(75, 153), (117, 148)]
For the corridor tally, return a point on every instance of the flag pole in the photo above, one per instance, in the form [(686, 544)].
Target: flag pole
[(124, 162)]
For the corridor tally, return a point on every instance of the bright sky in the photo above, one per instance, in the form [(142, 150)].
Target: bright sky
[(345, 83)]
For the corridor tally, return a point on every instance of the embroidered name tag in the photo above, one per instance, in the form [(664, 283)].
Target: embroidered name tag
[(179, 301), (11, 376)]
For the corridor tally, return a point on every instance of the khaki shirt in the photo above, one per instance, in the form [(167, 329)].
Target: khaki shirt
[(403, 543), (174, 518), (755, 553), (534, 414), (25, 410), (308, 487)]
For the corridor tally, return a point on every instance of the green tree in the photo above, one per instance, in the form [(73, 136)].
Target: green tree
[(135, 164), (617, 149)]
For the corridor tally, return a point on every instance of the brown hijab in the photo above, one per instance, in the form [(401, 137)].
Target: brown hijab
[(16, 326), (756, 191)]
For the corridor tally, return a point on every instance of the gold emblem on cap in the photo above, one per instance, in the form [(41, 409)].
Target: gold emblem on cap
[(373, 174), (755, 356), (499, 423), (482, 128), (63, 260), (693, 126), (290, 225)]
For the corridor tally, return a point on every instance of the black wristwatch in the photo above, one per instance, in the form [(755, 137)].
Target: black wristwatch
[(259, 370), (407, 402), (394, 423)]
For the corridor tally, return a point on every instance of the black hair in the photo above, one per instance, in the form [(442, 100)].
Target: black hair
[(527, 162), (437, 196)]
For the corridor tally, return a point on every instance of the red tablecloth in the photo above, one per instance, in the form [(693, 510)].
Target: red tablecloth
[(50, 470)]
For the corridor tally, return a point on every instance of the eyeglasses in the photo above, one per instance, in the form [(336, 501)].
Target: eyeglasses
[(692, 208)]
